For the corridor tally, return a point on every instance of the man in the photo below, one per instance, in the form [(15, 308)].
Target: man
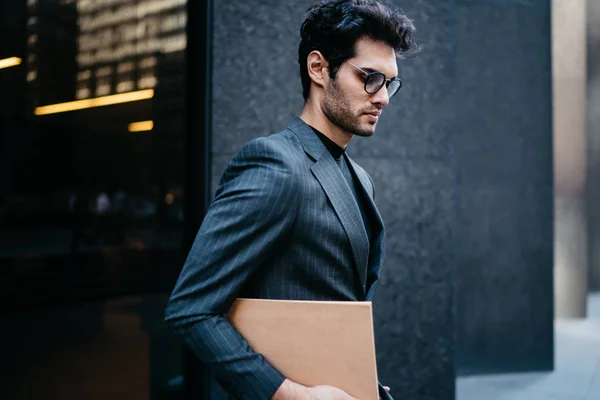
[(294, 217)]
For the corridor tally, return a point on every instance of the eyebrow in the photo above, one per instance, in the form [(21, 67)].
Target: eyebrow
[(375, 70)]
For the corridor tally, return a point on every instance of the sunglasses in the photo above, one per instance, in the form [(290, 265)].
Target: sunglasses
[(376, 80)]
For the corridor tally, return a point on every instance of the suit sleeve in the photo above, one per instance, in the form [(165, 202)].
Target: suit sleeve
[(383, 395), (252, 213)]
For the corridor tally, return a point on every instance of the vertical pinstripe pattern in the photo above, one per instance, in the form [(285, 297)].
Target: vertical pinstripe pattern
[(283, 225)]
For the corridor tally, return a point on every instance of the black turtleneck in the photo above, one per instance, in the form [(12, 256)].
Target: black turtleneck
[(335, 150), (339, 155)]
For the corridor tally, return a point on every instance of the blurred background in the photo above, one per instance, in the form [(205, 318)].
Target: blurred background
[(117, 118)]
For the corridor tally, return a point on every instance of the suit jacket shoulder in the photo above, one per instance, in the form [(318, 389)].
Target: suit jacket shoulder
[(273, 159)]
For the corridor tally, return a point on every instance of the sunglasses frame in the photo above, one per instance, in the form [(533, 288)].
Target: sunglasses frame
[(385, 82)]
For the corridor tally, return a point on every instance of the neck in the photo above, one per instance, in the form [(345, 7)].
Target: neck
[(313, 115)]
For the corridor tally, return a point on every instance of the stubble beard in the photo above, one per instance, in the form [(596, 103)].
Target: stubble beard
[(338, 110)]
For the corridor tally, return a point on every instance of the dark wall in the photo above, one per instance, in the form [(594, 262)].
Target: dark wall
[(593, 110), (505, 215), (257, 91), (256, 83)]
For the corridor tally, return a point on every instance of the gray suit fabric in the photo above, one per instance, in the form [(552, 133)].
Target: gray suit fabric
[(285, 225)]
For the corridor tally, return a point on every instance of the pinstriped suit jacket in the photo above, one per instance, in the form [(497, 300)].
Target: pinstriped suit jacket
[(284, 224)]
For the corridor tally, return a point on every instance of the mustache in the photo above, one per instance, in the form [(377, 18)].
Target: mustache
[(376, 110)]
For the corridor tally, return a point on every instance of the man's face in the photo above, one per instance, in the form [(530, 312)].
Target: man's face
[(346, 103)]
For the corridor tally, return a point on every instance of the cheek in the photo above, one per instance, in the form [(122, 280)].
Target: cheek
[(349, 98), (360, 103), (354, 99), (357, 98)]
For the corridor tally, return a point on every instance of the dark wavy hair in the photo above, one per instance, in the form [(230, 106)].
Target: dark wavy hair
[(334, 26)]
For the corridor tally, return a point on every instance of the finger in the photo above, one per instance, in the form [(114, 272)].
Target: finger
[(387, 388)]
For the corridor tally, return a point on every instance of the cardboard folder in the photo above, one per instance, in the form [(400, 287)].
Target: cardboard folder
[(313, 342)]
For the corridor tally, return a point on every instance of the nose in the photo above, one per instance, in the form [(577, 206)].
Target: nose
[(381, 97)]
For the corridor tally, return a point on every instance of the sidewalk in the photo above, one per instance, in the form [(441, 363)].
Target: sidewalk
[(577, 368)]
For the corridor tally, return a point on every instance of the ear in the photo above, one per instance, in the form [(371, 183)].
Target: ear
[(317, 68)]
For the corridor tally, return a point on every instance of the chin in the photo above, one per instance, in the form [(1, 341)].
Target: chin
[(365, 130)]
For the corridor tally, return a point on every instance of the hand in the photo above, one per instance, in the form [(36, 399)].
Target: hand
[(387, 388), (324, 392), (293, 391)]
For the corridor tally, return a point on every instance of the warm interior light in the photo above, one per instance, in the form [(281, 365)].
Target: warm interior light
[(9, 62), (141, 126), (95, 102)]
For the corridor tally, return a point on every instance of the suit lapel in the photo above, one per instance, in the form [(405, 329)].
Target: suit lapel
[(327, 172), (378, 246), (331, 179)]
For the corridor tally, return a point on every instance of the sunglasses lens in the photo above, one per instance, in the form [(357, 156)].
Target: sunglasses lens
[(394, 86), (374, 83)]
